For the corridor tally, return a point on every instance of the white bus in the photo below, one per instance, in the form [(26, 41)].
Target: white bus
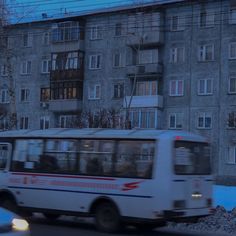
[(140, 177)]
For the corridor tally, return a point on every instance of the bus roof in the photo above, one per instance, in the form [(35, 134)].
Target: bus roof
[(105, 133)]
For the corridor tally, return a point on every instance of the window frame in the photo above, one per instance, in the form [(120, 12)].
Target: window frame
[(177, 85), (205, 84), (178, 117), (203, 53), (93, 91), (97, 61), (229, 85), (204, 116), (26, 67)]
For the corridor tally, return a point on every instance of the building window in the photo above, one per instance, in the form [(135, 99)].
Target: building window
[(4, 96), (65, 31), (176, 88), (146, 88), (143, 118), (44, 122), (65, 61), (68, 121), (206, 52), (95, 61), (27, 40), (4, 70), (44, 94), (94, 92), (24, 122), (231, 157), (26, 67), (4, 124), (46, 38), (96, 32), (24, 95), (232, 16), (232, 85), (117, 60), (177, 23), (46, 66), (176, 121), (148, 56), (232, 50), (204, 121), (118, 29), (206, 19), (66, 90), (118, 90), (231, 121), (177, 55), (205, 87)]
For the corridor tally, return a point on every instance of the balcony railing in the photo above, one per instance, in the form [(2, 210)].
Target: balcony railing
[(65, 105), (144, 101), (152, 68)]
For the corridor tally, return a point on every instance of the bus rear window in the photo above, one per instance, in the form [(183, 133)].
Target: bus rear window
[(191, 158)]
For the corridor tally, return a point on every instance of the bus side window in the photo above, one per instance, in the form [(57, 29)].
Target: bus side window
[(48, 163), (4, 152)]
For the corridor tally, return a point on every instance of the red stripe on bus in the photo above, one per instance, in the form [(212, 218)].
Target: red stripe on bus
[(63, 176)]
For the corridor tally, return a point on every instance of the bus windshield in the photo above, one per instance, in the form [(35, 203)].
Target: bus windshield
[(191, 158)]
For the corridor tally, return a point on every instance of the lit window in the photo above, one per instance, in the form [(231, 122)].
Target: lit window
[(176, 88)]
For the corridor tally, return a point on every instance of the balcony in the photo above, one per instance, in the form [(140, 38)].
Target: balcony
[(64, 105), (144, 101), (145, 69), (71, 74), (152, 38)]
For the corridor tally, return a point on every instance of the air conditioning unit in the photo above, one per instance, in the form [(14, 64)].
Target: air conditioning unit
[(44, 104)]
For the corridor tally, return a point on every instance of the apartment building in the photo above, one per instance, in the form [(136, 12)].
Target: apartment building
[(160, 66)]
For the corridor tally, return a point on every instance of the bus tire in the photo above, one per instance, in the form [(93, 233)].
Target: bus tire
[(51, 216), (9, 204), (107, 217)]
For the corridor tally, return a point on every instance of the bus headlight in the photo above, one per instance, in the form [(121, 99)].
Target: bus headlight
[(20, 224)]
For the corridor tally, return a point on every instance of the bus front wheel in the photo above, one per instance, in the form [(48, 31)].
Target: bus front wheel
[(9, 204), (107, 217)]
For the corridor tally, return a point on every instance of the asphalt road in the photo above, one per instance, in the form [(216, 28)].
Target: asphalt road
[(78, 227)]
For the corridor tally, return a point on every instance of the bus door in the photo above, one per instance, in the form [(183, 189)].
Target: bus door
[(193, 173), (5, 154)]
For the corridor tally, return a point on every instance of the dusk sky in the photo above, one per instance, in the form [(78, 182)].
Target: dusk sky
[(27, 10)]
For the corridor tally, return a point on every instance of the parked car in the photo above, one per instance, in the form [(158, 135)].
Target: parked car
[(12, 224)]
